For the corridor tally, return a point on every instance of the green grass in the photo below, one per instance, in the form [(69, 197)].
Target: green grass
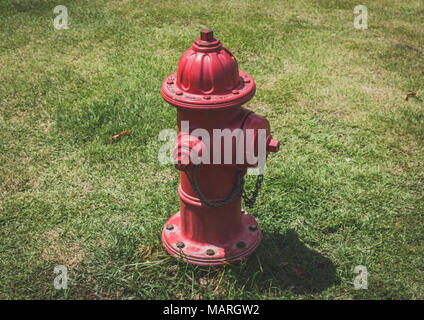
[(331, 92)]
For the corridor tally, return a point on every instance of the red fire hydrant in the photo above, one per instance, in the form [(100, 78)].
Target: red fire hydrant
[(208, 91)]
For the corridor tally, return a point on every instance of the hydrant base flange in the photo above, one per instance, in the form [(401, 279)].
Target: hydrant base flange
[(238, 248)]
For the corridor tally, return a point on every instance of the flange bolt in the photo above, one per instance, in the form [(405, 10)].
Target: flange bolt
[(180, 245), (241, 244)]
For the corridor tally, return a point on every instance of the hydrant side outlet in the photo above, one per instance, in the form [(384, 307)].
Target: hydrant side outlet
[(208, 91)]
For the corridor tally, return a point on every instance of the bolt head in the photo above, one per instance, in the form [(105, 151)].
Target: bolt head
[(210, 252), (253, 227), (180, 245), (169, 226), (241, 244), (178, 92)]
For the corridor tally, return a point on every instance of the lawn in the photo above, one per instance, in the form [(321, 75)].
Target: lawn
[(346, 188)]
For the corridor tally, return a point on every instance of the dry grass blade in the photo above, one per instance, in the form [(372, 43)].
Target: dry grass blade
[(411, 94), (122, 134)]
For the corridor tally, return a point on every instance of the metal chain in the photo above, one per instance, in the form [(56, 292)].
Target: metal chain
[(250, 202), (212, 204), (237, 190)]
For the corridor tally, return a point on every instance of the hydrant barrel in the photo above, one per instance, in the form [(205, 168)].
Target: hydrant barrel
[(218, 140)]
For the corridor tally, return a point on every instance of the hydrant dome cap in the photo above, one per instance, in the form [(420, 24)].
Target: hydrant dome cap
[(208, 77)]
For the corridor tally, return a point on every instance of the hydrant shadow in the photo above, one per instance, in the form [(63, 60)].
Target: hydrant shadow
[(284, 262)]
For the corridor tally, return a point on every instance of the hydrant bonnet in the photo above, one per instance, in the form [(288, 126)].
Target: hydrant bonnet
[(208, 77)]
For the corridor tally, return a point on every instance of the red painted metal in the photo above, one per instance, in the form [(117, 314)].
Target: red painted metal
[(208, 77), (208, 91)]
